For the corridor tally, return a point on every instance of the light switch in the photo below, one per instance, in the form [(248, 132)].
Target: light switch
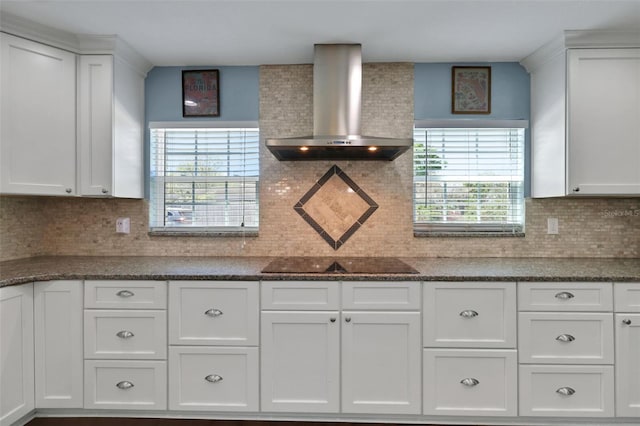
[(552, 225), (123, 225)]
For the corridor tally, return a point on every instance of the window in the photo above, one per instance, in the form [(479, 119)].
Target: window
[(203, 179), (469, 179)]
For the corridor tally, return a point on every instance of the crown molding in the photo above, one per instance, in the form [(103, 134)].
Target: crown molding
[(580, 39), (81, 44)]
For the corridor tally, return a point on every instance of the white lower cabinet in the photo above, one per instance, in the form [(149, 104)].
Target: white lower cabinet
[(381, 362), (300, 363), (58, 344), (464, 382), (16, 353), (119, 384), (567, 390), (627, 329), (213, 378)]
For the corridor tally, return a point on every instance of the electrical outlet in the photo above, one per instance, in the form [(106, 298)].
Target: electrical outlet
[(552, 225), (123, 225)]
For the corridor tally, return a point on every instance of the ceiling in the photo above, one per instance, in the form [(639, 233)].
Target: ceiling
[(241, 32)]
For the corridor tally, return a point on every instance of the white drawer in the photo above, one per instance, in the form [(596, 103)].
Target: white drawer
[(300, 295), (564, 296), (213, 379), (566, 390), (627, 297), (214, 313), (123, 334), (130, 385), (565, 338), (125, 294), (479, 382), (394, 295), (469, 314)]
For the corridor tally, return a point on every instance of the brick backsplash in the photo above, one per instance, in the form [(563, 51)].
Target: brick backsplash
[(589, 227)]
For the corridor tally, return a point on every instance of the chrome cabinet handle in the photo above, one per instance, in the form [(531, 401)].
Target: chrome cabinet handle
[(105, 190), (213, 378), (565, 338), (348, 319), (124, 334), (469, 381), (566, 391), (564, 295), (213, 312), (124, 385), (576, 189), (332, 319), (469, 313), (125, 293), (626, 321), (68, 190)]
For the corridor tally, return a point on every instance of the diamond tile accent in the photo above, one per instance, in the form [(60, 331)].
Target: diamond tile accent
[(335, 207)]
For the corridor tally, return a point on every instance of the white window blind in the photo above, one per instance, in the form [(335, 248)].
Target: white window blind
[(469, 179), (204, 179)]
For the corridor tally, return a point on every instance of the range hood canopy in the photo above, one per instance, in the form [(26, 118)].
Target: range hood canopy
[(337, 100)]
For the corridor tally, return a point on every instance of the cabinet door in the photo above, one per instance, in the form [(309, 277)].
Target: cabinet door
[(381, 362), (603, 121), (95, 118), (58, 343), (213, 379), (628, 365), (300, 361), (16, 353), (214, 313), (38, 110)]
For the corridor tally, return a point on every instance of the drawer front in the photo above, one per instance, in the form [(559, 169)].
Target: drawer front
[(469, 314), (580, 296), (213, 379), (300, 295), (566, 390), (394, 295), (480, 382), (627, 297), (565, 338), (125, 294), (122, 334), (130, 385), (213, 313)]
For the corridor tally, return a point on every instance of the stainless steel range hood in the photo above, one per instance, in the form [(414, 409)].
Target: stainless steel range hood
[(337, 99)]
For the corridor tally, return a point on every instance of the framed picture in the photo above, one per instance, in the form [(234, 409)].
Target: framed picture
[(471, 90), (201, 93)]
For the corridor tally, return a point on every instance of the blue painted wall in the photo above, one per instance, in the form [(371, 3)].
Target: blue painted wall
[(510, 97), (239, 98)]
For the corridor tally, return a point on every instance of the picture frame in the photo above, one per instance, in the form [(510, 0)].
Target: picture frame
[(470, 90), (200, 93)]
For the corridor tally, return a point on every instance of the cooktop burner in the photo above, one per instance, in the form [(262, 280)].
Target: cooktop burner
[(344, 265)]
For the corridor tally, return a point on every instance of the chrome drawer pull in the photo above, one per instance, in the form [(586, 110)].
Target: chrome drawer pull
[(565, 338), (626, 321), (213, 378), (469, 381), (566, 391), (468, 313), (124, 334), (124, 293), (213, 312), (124, 385), (564, 295)]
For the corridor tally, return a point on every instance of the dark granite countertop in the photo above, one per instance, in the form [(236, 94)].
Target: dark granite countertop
[(248, 268)]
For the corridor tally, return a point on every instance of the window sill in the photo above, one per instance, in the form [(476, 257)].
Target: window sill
[(215, 234), (469, 234)]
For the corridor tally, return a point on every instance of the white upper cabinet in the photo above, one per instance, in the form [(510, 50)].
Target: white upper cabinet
[(585, 115), (38, 114), (110, 123)]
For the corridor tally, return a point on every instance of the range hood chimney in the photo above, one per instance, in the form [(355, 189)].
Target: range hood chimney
[(337, 99)]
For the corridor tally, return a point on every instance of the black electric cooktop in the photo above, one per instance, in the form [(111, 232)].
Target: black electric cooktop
[(343, 265)]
